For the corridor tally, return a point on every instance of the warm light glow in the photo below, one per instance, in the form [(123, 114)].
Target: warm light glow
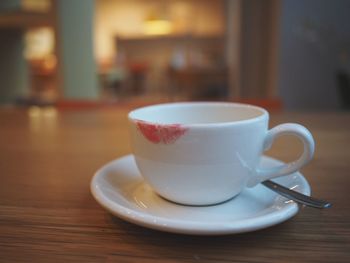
[(47, 112), (157, 27), (42, 119), (39, 43), (34, 112)]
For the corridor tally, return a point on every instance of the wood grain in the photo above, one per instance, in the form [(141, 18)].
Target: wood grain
[(47, 213)]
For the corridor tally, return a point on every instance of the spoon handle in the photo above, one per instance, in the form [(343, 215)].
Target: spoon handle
[(296, 196)]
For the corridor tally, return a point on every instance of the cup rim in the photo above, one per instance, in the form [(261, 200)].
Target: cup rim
[(264, 114)]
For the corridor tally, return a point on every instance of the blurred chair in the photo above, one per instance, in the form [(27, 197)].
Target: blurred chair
[(198, 83), (138, 72)]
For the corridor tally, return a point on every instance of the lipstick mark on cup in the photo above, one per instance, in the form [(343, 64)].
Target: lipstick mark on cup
[(161, 133)]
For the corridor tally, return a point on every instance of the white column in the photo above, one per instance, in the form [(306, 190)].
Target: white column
[(77, 71)]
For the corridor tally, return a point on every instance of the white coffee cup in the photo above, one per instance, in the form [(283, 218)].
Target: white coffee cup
[(203, 153)]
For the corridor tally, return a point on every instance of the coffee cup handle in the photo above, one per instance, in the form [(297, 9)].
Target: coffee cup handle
[(297, 130)]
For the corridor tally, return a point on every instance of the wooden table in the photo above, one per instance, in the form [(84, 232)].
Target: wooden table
[(47, 213)]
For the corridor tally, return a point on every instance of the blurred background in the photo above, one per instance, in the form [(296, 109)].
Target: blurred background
[(289, 54)]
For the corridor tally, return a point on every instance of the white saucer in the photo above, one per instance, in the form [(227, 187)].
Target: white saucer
[(119, 188)]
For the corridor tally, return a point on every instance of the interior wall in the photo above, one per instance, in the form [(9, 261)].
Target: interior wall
[(314, 45)]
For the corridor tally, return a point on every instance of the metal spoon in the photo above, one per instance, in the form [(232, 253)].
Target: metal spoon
[(295, 196)]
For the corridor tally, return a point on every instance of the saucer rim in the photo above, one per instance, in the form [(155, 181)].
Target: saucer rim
[(193, 227)]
